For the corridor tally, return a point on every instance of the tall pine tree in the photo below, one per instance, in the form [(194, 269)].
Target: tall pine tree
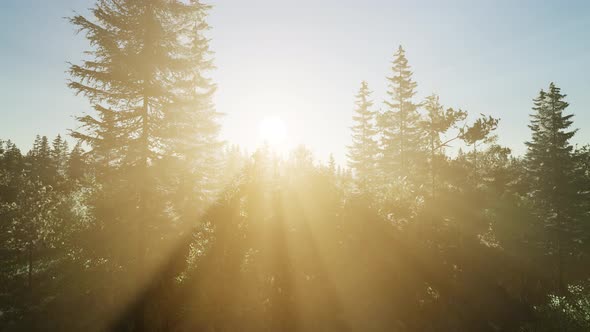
[(363, 152), (192, 128), (550, 164), (41, 162), (59, 155), (399, 124), (144, 78)]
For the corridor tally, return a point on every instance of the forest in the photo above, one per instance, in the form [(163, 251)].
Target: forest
[(142, 219)]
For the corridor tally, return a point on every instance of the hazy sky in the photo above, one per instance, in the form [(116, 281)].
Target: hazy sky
[(303, 60)]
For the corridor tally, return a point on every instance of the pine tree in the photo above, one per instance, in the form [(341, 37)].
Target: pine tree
[(363, 152), (144, 80), (437, 122), (12, 158), (59, 155), (331, 165), (550, 164), (102, 135), (40, 161), (192, 129), (76, 165), (32, 220), (478, 133), (399, 124)]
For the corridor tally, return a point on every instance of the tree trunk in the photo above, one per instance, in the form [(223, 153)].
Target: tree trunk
[(141, 220), (142, 215), (432, 168), (475, 164), (560, 284), (30, 268)]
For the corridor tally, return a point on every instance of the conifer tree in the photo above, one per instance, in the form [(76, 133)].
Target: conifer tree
[(76, 165), (478, 133), (332, 165), (437, 122), (32, 220), (363, 152), (41, 160), (12, 158), (399, 124), (192, 128), (144, 78), (582, 177), (550, 164), (102, 135), (59, 155)]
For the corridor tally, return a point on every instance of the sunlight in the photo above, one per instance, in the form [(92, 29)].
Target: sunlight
[(258, 182), (273, 132)]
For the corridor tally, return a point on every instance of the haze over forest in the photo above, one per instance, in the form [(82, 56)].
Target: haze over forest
[(277, 197)]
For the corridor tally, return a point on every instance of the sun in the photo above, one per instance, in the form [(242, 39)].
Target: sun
[(272, 131)]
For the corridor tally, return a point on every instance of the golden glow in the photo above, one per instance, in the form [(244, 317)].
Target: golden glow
[(273, 132)]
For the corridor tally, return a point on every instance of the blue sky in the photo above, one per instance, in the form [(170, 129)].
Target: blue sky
[(303, 61)]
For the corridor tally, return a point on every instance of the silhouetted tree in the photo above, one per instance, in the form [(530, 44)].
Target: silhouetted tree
[(76, 163), (363, 152), (479, 132), (437, 122), (145, 80), (59, 156), (399, 123), (40, 161), (550, 164)]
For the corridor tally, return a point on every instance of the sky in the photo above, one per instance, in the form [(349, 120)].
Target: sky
[(302, 61)]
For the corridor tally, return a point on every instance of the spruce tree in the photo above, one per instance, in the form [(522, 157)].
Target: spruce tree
[(41, 162), (363, 152), (144, 79), (32, 220), (550, 164), (12, 158), (399, 124), (191, 135), (101, 134), (76, 164), (59, 155)]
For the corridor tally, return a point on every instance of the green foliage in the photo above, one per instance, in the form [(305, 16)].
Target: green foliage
[(564, 313), (480, 130), (32, 216), (550, 164), (549, 155), (150, 224)]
